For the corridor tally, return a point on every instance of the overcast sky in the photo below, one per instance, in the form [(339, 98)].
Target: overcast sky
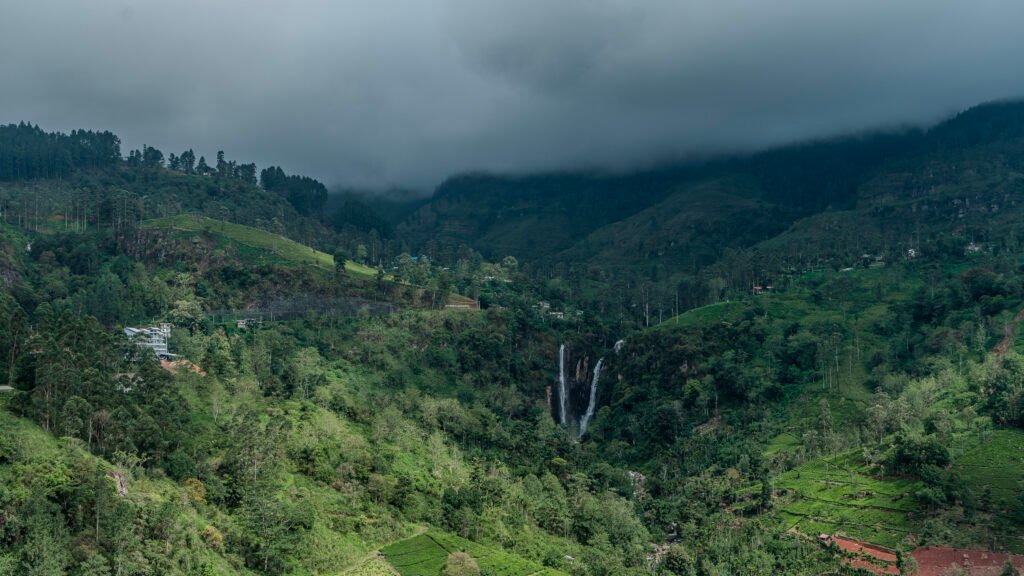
[(387, 93)]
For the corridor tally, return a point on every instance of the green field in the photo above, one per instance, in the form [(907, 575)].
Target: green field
[(427, 554), (994, 469), (705, 315), (784, 442), (839, 494), (835, 494), (276, 244)]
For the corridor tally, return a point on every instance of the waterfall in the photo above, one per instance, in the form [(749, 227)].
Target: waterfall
[(563, 392), (585, 421), (619, 345)]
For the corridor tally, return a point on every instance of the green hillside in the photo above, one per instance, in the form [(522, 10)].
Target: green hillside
[(36, 468), (275, 244), (839, 494), (675, 238)]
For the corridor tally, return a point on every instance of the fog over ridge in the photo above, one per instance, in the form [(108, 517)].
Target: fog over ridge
[(407, 92)]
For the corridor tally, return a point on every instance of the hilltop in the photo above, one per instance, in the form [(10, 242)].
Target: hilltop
[(285, 249)]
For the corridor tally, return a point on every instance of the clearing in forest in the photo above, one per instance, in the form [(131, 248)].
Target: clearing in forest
[(282, 247), (426, 555)]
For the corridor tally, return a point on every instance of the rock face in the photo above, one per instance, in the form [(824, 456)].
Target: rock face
[(9, 275), (120, 482)]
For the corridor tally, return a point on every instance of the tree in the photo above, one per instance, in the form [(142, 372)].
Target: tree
[(12, 326), (439, 287), (222, 165), (152, 158), (340, 258), (307, 195), (766, 489), (510, 265), (404, 265), (8, 565), (1009, 569), (188, 161), (77, 419), (95, 565), (678, 561), (307, 368), (217, 359), (45, 552), (247, 173), (187, 313), (461, 564)]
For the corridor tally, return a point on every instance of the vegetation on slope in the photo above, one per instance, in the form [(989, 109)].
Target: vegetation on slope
[(282, 247)]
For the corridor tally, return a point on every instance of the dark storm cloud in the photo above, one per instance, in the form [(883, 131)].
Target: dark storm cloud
[(405, 92)]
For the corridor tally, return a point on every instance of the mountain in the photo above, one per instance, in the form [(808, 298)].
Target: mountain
[(833, 200), (801, 361), (505, 213)]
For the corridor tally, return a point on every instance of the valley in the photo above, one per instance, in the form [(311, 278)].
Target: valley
[(799, 361)]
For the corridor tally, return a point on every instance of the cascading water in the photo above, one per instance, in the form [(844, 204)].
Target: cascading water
[(563, 391), (619, 345), (585, 421)]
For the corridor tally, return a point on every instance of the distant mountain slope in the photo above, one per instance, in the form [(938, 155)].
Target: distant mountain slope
[(689, 228), (534, 216), (943, 196), (849, 194)]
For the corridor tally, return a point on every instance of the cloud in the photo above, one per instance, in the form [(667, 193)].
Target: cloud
[(406, 92)]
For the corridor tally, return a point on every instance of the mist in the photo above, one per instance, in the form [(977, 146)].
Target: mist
[(404, 93)]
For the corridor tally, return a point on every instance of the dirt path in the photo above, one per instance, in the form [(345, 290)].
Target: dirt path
[(1009, 331)]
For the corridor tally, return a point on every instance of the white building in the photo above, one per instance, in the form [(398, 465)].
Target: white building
[(152, 337)]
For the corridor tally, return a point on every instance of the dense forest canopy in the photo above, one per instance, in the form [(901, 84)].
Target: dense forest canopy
[(28, 153)]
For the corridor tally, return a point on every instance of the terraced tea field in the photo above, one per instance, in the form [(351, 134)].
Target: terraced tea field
[(994, 469), (427, 554), (839, 494)]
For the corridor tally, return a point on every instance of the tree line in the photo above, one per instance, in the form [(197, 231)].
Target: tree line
[(27, 152)]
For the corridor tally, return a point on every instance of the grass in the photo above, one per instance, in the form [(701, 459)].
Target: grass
[(426, 555), (784, 442), (276, 244), (375, 566), (705, 315)]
